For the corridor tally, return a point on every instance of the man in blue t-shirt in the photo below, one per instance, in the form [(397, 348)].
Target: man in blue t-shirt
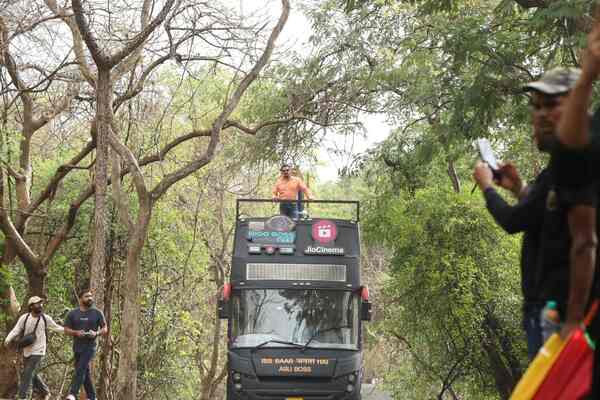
[(85, 323)]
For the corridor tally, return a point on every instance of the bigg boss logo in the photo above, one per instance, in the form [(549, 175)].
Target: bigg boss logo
[(276, 230)]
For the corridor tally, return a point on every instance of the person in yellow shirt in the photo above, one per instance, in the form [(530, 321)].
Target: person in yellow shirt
[(286, 190)]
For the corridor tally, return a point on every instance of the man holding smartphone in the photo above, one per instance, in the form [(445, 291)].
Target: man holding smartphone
[(533, 213), (85, 323)]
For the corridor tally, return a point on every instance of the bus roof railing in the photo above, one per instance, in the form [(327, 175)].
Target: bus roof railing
[(356, 203)]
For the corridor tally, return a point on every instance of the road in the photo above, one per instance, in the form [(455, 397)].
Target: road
[(372, 392)]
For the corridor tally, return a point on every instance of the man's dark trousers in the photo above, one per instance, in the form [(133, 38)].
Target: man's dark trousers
[(30, 376), (83, 358), (532, 327), (289, 208)]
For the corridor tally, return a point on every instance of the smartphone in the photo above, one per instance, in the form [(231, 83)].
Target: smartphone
[(487, 156)]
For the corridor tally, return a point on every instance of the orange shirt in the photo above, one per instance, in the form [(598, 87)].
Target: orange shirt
[(287, 189)]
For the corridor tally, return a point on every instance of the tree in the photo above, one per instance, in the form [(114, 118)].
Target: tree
[(441, 84), (450, 300), (127, 374), (33, 101)]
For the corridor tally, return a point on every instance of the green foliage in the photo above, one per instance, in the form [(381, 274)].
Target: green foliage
[(446, 72), (443, 72), (5, 283), (451, 273)]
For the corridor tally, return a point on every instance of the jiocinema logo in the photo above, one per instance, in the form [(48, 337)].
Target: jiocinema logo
[(324, 231), (324, 251)]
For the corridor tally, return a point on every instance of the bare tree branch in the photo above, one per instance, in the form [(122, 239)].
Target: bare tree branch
[(143, 35), (69, 19), (135, 56), (56, 109), (12, 172), (7, 60), (221, 120), (100, 58), (62, 171), (138, 177), (32, 26), (59, 237), (12, 235), (108, 61)]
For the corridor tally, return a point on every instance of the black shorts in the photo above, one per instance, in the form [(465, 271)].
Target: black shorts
[(570, 196)]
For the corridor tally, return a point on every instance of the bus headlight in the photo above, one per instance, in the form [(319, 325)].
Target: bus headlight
[(351, 378), (350, 388), (238, 386), (237, 377)]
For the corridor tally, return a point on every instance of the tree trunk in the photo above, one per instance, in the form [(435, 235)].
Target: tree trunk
[(127, 372), (211, 380), (8, 357), (37, 275), (505, 365), (8, 373), (104, 118), (105, 376), (453, 176)]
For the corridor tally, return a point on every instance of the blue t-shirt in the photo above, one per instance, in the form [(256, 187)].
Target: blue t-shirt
[(89, 320)]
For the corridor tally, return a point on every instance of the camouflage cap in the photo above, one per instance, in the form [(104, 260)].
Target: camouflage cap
[(34, 300), (556, 81)]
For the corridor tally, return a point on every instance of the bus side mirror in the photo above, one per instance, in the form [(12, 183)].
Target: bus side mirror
[(365, 311), (223, 309)]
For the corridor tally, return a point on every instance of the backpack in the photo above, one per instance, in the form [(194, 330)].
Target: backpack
[(30, 338)]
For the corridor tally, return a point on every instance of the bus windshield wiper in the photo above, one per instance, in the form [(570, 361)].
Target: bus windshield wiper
[(258, 346), (318, 332)]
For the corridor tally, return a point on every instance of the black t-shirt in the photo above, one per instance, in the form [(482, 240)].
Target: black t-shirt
[(526, 216), (89, 320), (574, 170), (577, 177), (555, 244)]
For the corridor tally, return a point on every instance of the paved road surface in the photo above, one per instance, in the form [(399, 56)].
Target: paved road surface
[(372, 392), (369, 392)]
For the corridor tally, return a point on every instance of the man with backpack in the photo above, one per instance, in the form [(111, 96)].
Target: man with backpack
[(30, 334)]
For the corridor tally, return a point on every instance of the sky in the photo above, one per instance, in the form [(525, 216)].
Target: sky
[(295, 36)]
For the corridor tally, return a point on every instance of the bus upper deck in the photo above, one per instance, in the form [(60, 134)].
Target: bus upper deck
[(318, 252)]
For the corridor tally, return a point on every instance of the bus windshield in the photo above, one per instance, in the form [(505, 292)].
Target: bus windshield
[(326, 318)]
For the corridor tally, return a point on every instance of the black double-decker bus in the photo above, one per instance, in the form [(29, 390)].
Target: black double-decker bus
[(295, 306)]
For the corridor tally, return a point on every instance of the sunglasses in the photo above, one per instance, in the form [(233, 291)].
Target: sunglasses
[(548, 104)]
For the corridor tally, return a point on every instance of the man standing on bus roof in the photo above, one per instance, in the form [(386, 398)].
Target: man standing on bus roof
[(286, 190)]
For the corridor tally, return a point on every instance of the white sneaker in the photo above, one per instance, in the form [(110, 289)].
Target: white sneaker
[(70, 397)]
